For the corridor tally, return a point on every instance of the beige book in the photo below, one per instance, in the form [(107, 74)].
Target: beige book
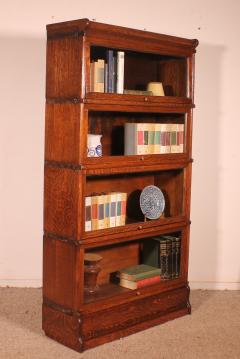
[(98, 76), (123, 209), (181, 136), (94, 213), (151, 138)]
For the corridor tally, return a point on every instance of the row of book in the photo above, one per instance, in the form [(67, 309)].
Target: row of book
[(105, 210), (107, 75), (138, 276), (163, 252), (153, 138)]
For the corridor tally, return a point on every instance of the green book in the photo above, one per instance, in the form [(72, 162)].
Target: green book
[(138, 272)]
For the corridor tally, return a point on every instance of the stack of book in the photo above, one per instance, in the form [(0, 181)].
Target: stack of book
[(138, 276), (164, 252), (107, 75), (105, 211), (153, 138)]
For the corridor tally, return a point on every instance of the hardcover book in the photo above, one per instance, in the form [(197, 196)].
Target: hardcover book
[(138, 272), (139, 283)]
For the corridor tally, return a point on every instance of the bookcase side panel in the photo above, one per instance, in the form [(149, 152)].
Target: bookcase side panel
[(58, 271), (64, 67), (61, 201), (62, 132)]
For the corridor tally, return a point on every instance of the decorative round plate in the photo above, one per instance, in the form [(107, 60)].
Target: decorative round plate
[(152, 202)]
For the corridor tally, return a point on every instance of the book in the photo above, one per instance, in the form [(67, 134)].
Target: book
[(107, 211), (101, 204), (134, 138), (94, 212), (98, 75), (123, 209), (163, 252), (140, 283), (113, 199), (151, 138), (173, 138), (88, 216), (110, 67), (118, 208), (120, 72), (138, 272)]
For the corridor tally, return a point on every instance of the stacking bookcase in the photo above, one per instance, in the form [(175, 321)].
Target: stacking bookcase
[(95, 234)]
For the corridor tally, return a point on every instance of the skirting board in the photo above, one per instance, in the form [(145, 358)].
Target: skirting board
[(37, 283), (215, 285), (21, 283)]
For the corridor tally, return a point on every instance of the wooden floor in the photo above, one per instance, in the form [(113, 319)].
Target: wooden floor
[(212, 331)]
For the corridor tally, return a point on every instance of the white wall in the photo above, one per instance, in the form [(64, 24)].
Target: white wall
[(215, 240)]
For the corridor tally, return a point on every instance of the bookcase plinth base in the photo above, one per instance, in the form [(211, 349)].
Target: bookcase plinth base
[(87, 330)]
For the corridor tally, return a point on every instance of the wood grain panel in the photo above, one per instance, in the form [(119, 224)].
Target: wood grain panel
[(60, 201), (115, 258), (62, 132), (58, 271), (64, 67)]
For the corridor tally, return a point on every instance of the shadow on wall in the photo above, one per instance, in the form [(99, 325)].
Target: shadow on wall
[(22, 73), (205, 185)]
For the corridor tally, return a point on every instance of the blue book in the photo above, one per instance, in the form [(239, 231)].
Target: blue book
[(110, 66)]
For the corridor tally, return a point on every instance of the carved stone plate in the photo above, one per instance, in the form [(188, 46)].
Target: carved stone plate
[(152, 202)]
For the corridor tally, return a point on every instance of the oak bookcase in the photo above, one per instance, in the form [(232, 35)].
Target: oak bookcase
[(70, 316)]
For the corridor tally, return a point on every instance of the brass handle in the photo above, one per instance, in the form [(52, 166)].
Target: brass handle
[(138, 293), (139, 227)]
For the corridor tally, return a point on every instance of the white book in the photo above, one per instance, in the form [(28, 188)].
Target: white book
[(88, 217), (120, 71)]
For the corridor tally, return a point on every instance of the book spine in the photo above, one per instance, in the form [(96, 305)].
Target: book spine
[(101, 211), (118, 209), (106, 77), (173, 257), (94, 213), (148, 281), (92, 67), (177, 257), (130, 139), (120, 71), (173, 139), (112, 210), (151, 136), (99, 76), (157, 139), (165, 264), (88, 217), (107, 211), (123, 209), (110, 71), (181, 137)]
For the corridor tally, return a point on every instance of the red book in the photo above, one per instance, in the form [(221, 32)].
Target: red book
[(140, 283)]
